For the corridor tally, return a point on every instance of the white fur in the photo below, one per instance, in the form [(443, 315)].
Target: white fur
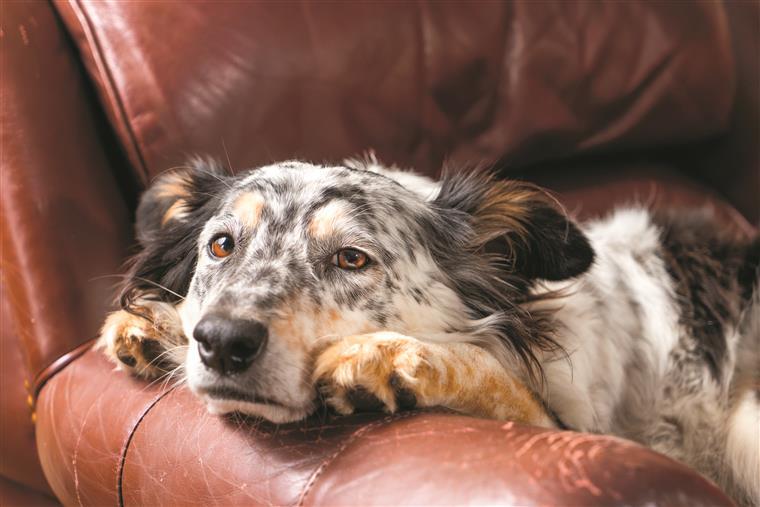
[(600, 340), (274, 413), (423, 186), (743, 444)]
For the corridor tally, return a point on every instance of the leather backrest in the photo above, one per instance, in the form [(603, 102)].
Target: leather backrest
[(64, 226), (252, 82)]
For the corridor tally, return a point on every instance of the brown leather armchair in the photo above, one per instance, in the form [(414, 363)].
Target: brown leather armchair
[(602, 102)]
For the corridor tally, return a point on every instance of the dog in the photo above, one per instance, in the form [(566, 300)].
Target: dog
[(367, 287)]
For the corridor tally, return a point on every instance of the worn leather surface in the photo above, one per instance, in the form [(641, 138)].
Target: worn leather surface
[(115, 440), (488, 462), (416, 81), (18, 450), (86, 416)]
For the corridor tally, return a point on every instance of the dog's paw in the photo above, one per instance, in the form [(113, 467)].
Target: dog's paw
[(134, 343), (380, 371)]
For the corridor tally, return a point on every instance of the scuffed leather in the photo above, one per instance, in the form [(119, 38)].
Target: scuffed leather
[(115, 440), (86, 417), (454, 460)]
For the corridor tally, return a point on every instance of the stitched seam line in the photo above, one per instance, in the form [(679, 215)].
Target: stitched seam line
[(125, 448), (351, 439), (109, 82), (56, 366)]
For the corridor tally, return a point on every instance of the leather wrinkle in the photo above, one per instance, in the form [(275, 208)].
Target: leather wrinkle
[(658, 74), (125, 448), (88, 28), (346, 444), (509, 33)]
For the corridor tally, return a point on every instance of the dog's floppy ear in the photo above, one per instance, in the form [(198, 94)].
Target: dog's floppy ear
[(172, 196), (171, 214), (519, 221)]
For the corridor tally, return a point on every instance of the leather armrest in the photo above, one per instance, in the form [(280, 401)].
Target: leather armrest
[(105, 437)]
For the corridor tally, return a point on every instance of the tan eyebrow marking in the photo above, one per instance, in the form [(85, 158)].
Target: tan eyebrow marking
[(248, 207), (324, 220)]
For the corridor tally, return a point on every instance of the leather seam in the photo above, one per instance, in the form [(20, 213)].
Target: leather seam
[(56, 366), (128, 441), (351, 439), (111, 90)]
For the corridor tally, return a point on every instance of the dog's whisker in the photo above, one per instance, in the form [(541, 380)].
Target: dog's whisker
[(200, 166), (168, 378), (158, 285), (226, 154), (165, 353)]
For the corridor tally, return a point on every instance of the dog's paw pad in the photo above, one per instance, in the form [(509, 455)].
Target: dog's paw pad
[(126, 338), (405, 397), (364, 401), (362, 374)]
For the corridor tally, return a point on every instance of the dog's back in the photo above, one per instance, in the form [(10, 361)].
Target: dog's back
[(715, 278), (663, 336)]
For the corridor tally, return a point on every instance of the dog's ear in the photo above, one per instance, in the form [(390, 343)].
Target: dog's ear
[(171, 214), (171, 198), (518, 221)]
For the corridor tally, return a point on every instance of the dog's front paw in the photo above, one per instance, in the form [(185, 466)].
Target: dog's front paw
[(379, 371), (134, 343)]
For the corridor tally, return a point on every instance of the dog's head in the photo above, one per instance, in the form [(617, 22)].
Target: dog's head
[(270, 266)]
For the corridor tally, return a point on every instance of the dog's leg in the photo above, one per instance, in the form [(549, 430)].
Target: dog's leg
[(147, 346), (390, 371)]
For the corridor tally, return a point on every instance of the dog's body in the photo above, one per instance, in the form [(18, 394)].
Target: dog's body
[(382, 287), (655, 331)]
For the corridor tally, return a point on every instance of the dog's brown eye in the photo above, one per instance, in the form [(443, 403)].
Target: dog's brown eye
[(221, 246), (350, 259)]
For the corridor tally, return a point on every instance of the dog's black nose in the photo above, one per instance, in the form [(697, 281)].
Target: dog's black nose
[(229, 345)]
